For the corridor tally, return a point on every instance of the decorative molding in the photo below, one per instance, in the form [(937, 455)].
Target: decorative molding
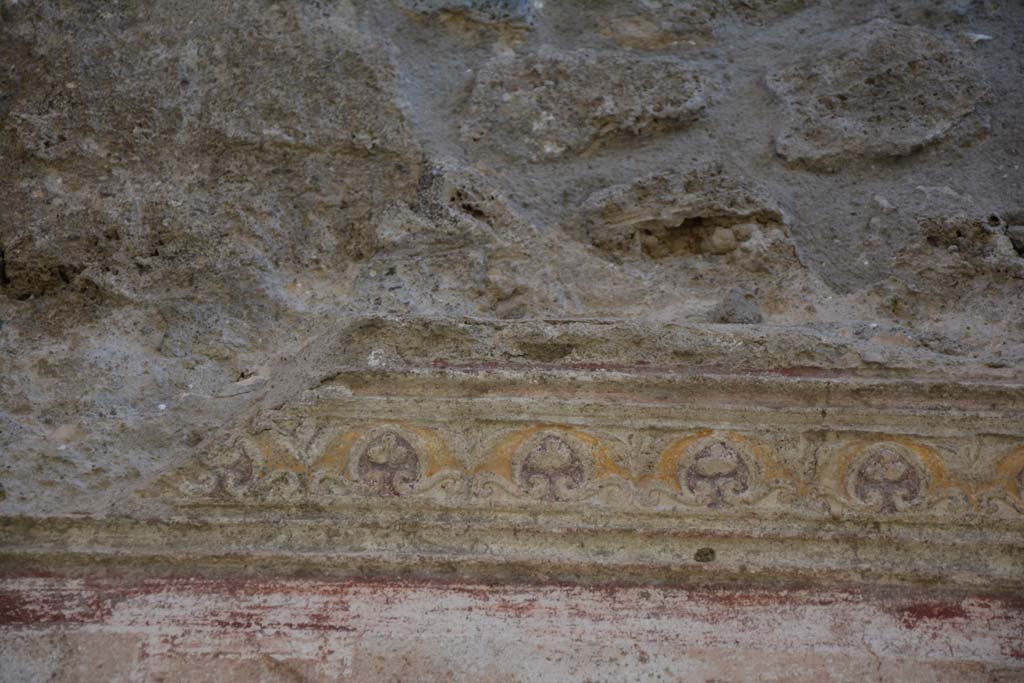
[(597, 476), (472, 453)]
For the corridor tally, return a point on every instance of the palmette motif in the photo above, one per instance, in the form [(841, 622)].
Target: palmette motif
[(887, 479), (700, 471)]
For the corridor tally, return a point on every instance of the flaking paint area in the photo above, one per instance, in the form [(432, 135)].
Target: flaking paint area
[(371, 630)]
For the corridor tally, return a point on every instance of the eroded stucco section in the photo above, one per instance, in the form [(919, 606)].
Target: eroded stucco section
[(286, 630)]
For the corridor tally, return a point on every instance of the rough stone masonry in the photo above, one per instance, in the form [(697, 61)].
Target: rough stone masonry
[(511, 340)]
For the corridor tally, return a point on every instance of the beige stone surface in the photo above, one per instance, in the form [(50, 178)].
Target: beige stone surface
[(194, 196), (511, 340), (880, 90)]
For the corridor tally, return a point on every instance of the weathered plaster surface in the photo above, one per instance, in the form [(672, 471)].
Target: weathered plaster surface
[(197, 196), (511, 340), (284, 630)]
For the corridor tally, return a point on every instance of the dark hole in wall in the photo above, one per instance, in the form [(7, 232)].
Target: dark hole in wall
[(704, 555), (3, 270)]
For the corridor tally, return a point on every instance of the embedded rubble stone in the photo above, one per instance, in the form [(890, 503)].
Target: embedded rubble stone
[(1016, 235), (959, 238), (643, 24), (738, 307), (874, 91), (983, 242), (702, 211), (553, 103), (127, 170), (316, 92), (483, 11)]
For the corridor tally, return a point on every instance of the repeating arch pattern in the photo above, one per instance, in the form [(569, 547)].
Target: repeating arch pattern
[(718, 472)]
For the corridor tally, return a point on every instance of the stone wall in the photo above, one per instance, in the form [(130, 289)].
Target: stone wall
[(511, 340)]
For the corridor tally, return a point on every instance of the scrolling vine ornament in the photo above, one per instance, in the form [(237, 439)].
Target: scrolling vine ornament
[(726, 473)]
